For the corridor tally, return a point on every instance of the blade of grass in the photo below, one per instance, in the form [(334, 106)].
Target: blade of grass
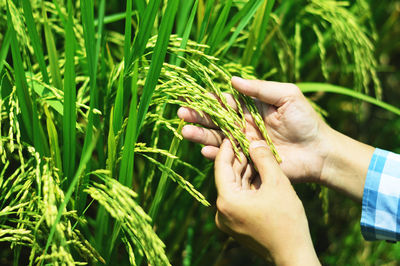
[(49, 98), (127, 161), (146, 24), (82, 165), (53, 139), (102, 217), (20, 79), (200, 14), (4, 48), (261, 30), (205, 20), (35, 40), (89, 37), (308, 87), (100, 95), (60, 13), (100, 27), (157, 61), (128, 32), (87, 11), (243, 16), (141, 5), (162, 185), (126, 168), (39, 137), (182, 16), (52, 51), (69, 108), (219, 26), (186, 33), (118, 114)]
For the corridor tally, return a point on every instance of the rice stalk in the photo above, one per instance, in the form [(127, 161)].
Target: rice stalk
[(352, 41), (120, 202), (201, 88)]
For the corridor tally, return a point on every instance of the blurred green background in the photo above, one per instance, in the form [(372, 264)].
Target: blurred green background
[(291, 53)]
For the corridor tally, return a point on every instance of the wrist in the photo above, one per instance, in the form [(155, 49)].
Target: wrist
[(300, 254), (346, 164)]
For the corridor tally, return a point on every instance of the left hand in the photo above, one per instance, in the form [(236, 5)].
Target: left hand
[(263, 212), (300, 136)]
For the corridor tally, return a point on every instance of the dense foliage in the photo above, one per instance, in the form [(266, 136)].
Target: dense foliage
[(93, 168)]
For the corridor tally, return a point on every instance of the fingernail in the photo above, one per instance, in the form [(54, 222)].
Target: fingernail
[(257, 144)]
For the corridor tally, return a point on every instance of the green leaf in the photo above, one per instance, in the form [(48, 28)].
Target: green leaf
[(118, 115), (4, 48), (126, 168), (162, 185), (243, 17), (34, 37), (253, 49), (157, 60), (146, 25), (69, 108), (20, 79), (61, 209), (307, 87), (52, 51), (186, 34), (205, 20), (128, 32), (53, 140), (92, 51), (219, 26)]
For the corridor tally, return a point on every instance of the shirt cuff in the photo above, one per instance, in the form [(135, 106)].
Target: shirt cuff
[(381, 199)]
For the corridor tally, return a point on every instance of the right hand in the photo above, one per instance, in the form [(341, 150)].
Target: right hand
[(267, 216), (298, 133)]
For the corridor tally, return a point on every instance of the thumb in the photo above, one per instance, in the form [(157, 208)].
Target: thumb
[(270, 92), (264, 161)]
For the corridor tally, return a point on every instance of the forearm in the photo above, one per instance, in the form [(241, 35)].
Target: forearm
[(346, 165), (306, 257), (299, 251)]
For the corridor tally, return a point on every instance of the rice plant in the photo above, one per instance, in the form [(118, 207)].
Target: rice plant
[(93, 168)]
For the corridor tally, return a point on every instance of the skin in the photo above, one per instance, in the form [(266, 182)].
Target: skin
[(311, 151), (268, 217)]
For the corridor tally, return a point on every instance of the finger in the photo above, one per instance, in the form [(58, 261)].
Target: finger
[(251, 131), (230, 100), (247, 114), (209, 137), (275, 93), (247, 176), (224, 174), (264, 161), (210, 152), (191, 116), (239, 167)]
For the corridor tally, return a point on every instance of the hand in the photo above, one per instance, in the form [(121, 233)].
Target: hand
[(296, 130), (309, 148), (263, 212)]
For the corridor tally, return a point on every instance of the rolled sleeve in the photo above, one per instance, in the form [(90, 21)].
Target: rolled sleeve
[(381, 199)]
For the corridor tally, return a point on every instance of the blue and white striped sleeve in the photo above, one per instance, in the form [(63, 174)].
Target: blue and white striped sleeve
[(380, 217)]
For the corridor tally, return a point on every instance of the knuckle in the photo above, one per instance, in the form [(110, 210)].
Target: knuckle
[(293, 89), (262, 153), (223, 206)]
